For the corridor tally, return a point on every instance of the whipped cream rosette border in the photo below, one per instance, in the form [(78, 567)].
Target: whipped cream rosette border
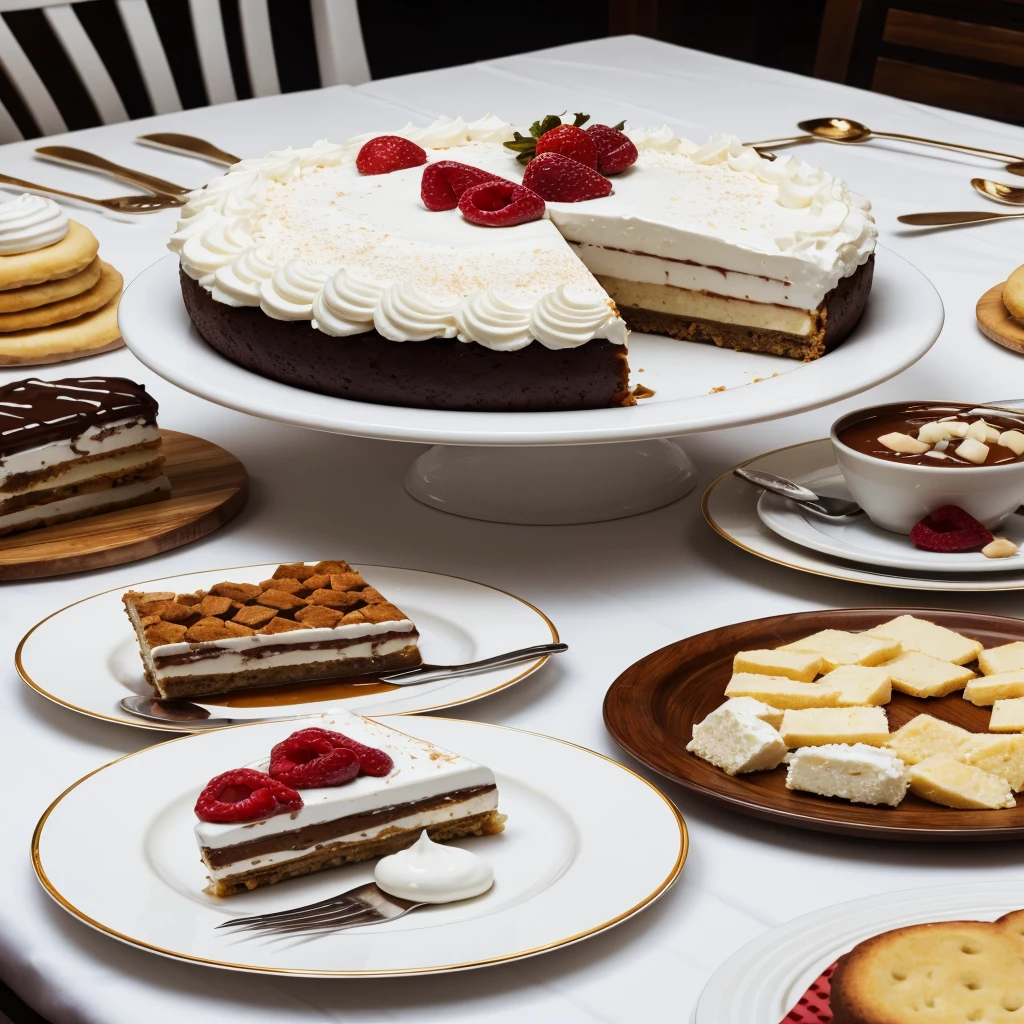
[(217, 239)]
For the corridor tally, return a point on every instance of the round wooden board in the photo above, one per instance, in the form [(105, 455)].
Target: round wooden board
[(651, 708), (209, 486), (995, 321)]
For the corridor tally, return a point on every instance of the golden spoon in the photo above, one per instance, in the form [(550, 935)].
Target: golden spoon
[(1011, 194), (844, 130)]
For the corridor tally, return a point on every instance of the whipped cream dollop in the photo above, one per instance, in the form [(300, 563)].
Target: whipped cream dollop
[(29, 223), (428, 872)]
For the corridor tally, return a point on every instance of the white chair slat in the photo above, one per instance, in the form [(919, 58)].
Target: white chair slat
[(340, 51), (87, 62), (149, 54), (208, 27), (29, 85), (259, 48), (9, 130)]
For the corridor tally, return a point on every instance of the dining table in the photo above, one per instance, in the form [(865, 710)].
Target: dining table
[(616, 590)]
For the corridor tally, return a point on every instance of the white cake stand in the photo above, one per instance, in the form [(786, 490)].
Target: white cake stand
[(559, 467)]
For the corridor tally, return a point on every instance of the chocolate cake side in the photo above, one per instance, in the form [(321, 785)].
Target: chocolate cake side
[(838, 314), (441, 373)]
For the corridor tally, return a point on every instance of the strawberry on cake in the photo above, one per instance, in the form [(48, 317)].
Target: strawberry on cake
[(472, 265)]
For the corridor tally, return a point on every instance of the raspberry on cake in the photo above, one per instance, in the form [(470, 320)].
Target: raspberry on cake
[(405, 786), (307, 622), (304, 269), (76, 447)]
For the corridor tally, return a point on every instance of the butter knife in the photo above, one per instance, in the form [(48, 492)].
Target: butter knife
[(174, 142)]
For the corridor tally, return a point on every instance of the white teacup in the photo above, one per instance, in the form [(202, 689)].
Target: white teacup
[(897, 495)]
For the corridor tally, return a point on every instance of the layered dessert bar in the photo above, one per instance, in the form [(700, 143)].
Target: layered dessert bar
[(306, 622), (423, 787), (76, 447)]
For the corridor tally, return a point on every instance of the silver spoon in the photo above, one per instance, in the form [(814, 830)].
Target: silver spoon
[(832, 510), (170, 712)]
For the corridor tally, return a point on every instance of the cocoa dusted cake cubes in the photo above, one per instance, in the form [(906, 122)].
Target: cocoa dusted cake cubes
[(306, 622)]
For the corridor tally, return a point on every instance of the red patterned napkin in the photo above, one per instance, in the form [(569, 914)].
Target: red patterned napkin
[(813, 1007)]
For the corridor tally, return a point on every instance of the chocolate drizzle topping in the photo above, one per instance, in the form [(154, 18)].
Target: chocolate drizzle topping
[(38, 412)]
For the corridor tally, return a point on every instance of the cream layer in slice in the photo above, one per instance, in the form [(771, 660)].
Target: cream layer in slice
[(447, 785), (93, 501)]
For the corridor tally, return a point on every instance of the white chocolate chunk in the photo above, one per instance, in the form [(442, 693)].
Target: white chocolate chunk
[(1014, 440), (973, 450), (937, 455), (931, 433), (903, 443), (957, 428), (982, 431), (1000, 547)]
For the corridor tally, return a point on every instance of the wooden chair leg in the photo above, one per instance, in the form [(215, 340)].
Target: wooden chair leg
[(835, 44)]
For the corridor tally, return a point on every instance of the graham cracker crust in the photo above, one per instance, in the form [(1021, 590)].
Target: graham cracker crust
[(332, 855)]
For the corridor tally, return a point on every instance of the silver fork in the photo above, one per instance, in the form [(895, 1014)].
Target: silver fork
[(366, 904)]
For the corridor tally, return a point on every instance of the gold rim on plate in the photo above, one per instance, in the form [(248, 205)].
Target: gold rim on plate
[(661, 889), (157, 727)]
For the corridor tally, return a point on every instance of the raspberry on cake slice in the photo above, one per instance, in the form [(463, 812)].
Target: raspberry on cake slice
[(307, 622)]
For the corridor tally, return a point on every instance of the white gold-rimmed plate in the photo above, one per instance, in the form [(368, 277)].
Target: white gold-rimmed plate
[(860, 540), (559, 877), (762, 982), (459, 621), (730, 508), (903, 318)]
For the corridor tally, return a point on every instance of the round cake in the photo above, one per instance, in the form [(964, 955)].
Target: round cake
[(320, 269)]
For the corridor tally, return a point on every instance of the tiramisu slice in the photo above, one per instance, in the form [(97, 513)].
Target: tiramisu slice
[(287, 816), (76, 447), (306, 622)]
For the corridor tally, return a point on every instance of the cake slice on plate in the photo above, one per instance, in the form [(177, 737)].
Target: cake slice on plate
[(306, 622), (311, 819)]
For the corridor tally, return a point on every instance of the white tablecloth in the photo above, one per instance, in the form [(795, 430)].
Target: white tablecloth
[(616, 590)]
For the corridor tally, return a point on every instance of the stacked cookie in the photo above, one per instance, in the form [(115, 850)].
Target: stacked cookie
[(58, 299)]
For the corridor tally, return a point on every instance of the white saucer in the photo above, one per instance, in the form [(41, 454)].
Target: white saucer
[(860, 540), (763, 981), (730, 506), (117, 851), (903, 318), (459, 621)]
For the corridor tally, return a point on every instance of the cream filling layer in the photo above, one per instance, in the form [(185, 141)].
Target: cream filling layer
[(81, 502), (228, 662), (683, 302), (77, 472), (99, 440), (634, 266), (441, 815)]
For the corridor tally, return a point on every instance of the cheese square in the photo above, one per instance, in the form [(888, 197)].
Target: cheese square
[(859, 685), (857, 772), (773, 716), (1008, 658), (1001, 686), (924, 736), (921, 675), (838, 647), (779, 692), (1000, 755), (945, 780), (927, 638), (1007, 715), (814, 727), (799, 665), (737, 742)]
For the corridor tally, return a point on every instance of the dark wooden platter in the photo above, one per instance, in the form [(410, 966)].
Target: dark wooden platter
[(209, 486), (651, 708)]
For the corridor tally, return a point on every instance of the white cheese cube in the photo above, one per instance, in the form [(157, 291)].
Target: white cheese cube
[(859, 685), (1008, 658), (750, 706), (928, 638), (1000, 755), (924, 736), (945, 780), (999, 686), (780, 692), (737, 742), (1007, 715), (857, 772), (922, 676), (815, 727), (838, 647), (800, 665)]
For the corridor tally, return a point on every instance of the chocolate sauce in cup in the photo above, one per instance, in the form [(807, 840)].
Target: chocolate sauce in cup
[(904, 460)]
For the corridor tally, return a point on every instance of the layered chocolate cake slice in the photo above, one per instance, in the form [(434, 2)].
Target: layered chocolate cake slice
[(306, 622), (76, 447), (339, 790)]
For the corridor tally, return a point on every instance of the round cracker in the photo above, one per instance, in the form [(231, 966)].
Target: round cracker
[(73, 253), (109, 285), (85, 336), (1013, 294), (15, 300)]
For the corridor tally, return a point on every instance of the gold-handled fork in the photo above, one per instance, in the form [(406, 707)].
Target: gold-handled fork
[(119, 204), (71, 157)]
